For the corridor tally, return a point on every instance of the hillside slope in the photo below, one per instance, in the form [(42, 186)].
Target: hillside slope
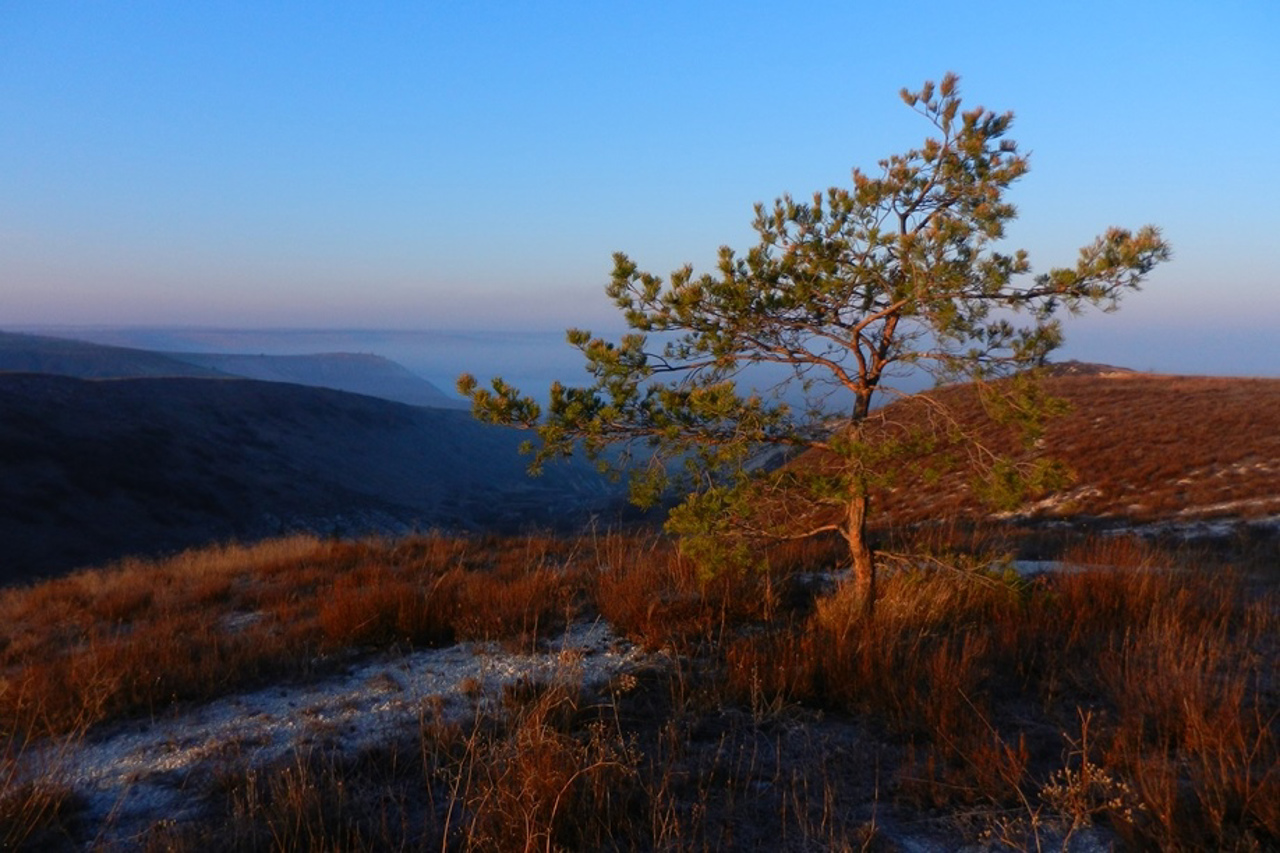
[(353, 372), (359, 373), (94, 470), (1143, 448), (21, 353)]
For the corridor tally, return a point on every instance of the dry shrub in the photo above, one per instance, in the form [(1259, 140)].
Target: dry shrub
[(36, 816), (921, 663), (975, 679), (821, 553), (516, 606), (313, 801), (976, 770), (1118, 552), (659, 599), (540, 784), (656, 601), (1192, 729), (1085, 615), (300, 805), (145, 669), (378, 605), (772, 669), (1181, 665), (35, 813), (722, 777), (543, 774), (138, 636), (387, 797)]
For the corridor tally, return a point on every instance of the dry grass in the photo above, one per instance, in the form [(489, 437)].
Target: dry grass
[(552, 771), (36, 813), (1141, 446), (1138, 695), (548, 778), (979, 676), (139, 637)]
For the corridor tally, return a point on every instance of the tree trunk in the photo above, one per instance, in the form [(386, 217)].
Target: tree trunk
[(864, 567)]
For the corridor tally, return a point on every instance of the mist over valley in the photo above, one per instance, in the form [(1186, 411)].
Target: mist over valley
[(531, 360)]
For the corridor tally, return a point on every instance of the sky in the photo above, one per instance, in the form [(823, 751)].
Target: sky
[(463, 166)]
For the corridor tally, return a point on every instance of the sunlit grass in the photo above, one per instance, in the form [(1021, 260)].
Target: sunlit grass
[(1142, 448), (1136, 694)]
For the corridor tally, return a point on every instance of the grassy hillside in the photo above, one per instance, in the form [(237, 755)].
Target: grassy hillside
[(94, 470), (1142, 448), (1125, 700)]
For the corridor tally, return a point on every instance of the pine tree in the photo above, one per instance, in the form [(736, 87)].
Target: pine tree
[(901, 272)]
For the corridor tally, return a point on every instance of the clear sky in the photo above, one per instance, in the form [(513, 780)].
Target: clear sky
[(473, 165)]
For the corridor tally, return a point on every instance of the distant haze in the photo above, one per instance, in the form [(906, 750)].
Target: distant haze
[(532, 360)]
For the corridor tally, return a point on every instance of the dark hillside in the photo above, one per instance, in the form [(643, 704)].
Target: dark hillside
[(65, 357), (95, 470), (359, 373), (356, 373)]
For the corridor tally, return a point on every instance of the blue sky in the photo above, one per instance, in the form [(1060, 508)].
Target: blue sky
[(433, 165)]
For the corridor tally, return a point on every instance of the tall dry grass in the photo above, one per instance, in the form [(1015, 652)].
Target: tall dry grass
[(139, 637), (1137, 694), (985, 680), (37, 810)]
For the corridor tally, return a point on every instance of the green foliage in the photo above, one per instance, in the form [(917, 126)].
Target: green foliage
[(704, 523), (1005, 484), (901, 272)]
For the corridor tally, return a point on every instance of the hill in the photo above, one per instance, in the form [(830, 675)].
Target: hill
[(356, 373), (359, 373), (95, 470), (1142, 448), (490, 692), (65, 357)]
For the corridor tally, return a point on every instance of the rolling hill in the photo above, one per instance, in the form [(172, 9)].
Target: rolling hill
[(21, 353), (358, 373), (1145, 449), (182, 454), (92, 470)]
